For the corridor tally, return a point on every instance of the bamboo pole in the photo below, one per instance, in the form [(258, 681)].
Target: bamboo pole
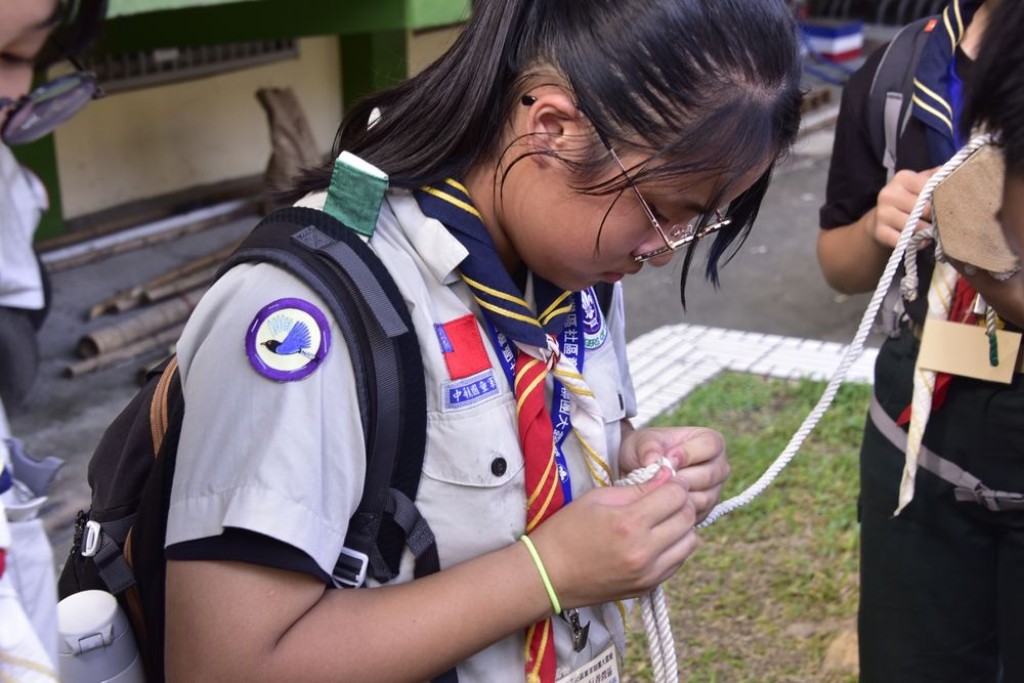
[(245, 208), (183, 284), (203, 262), (125, 353), (136, 296), (146, 323)]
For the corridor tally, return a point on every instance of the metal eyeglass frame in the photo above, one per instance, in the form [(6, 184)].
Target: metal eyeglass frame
[(21, 127), (679, 234)]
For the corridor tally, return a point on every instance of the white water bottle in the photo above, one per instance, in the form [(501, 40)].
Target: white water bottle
[(96, 643)]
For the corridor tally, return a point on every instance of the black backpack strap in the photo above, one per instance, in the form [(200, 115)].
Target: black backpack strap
[(892, 89), (418, 535), (368, 307), (104, 542)]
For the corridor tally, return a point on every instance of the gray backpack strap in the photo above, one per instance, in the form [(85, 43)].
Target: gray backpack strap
[(966, 487), (893, 109), (892, 89), (889, 100)]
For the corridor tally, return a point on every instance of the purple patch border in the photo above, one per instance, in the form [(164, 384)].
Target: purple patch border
[(287, 375)]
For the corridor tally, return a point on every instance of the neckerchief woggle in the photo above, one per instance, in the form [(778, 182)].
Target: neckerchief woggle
[(506, 312)]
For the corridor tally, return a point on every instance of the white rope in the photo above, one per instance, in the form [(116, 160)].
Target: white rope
[(855, 348), (661, 644)]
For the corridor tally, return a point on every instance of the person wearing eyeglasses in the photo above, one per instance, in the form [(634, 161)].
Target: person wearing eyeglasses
[(33, 35), (557, 145)]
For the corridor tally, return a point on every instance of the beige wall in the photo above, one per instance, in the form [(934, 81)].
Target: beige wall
[(426, 46), (155, 141)]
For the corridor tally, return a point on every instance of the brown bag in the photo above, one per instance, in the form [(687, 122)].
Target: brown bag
[(964, 206)]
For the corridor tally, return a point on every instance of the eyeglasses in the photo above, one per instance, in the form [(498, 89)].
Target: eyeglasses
[(678, 235), (51, 104)]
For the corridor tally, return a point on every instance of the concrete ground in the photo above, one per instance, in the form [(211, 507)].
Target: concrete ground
[(771, 286)]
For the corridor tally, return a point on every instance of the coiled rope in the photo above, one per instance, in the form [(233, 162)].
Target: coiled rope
[(660, 642), (661, 645)]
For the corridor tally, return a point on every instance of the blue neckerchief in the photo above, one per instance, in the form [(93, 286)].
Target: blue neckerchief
[(937, 96), (500, 298)]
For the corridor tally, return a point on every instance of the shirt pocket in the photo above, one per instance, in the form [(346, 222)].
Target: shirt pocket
[(602, 374), (472, 489)]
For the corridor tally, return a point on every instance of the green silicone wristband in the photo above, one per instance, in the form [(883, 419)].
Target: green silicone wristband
[(543, 572)]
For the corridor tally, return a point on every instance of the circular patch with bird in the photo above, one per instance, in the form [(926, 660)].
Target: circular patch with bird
[(288, 340)]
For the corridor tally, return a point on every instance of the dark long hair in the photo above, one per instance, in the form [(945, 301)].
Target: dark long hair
[(79, 26), (702, 86), (996, 96)]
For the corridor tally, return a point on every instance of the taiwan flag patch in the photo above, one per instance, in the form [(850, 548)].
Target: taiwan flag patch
[(463, 347)]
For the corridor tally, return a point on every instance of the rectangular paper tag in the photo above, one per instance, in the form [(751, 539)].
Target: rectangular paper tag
[(963, 350), (603, 668)]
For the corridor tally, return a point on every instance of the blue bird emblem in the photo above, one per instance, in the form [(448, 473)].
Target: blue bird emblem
[(297, 338)]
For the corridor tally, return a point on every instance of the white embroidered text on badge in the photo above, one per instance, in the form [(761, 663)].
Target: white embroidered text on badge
[(595, 332), (287, 340)]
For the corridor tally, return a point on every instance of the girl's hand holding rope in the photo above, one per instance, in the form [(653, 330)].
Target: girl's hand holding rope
[(618, 542), (895, 202), (697, 454)]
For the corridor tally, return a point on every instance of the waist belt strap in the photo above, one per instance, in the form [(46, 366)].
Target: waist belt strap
[(966, 487)]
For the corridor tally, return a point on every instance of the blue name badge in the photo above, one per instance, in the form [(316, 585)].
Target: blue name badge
[(470, 391)]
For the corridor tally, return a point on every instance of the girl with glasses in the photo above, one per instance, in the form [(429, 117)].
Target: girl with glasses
[(29, 30), (556, 146), (33, 35)]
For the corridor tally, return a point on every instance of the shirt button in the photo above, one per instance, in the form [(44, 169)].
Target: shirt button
[(498, 466)]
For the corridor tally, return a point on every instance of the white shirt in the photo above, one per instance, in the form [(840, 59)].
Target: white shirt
[(22, 201)]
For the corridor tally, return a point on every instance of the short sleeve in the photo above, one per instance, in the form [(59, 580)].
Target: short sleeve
[(272, 448)]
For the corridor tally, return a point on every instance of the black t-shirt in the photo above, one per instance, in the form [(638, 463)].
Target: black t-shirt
[(856, 174)]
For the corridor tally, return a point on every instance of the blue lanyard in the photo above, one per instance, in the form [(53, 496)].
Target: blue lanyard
[(571, 347), (956, 100)]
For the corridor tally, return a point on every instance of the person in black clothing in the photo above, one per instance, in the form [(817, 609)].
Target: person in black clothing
[(941, 597)]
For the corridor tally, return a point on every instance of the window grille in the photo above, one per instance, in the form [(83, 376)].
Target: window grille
[(162, 66)]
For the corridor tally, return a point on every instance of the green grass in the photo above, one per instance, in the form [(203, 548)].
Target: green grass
[(775, 582)]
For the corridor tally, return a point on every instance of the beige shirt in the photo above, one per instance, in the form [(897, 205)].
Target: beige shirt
[(286, 459)]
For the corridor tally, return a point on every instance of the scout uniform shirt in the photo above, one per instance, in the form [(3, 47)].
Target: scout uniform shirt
[(285, 457)]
